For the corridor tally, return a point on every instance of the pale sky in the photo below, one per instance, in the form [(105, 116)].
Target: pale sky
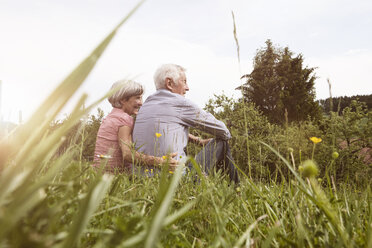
[(42, 41)]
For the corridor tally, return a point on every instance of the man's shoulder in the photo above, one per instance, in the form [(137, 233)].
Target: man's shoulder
[(167, 96)]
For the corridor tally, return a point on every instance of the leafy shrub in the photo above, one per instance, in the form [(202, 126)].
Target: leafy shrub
[(347, 134), (82, 134), (350, 134)]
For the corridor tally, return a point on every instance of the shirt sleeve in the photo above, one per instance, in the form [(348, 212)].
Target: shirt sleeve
[(123, 120), (196, 117)]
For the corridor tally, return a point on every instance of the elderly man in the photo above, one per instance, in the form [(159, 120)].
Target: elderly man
[(163, 121)]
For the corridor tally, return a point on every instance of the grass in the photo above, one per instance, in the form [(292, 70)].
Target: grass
[(49, 201), (175, 212)]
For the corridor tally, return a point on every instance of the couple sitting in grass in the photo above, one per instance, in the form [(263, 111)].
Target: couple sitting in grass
[(161, 130)]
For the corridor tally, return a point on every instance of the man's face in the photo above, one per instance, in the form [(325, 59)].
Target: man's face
[(182, 86)]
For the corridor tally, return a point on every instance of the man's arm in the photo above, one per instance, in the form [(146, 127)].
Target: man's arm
[(198, 140), (196, 117)]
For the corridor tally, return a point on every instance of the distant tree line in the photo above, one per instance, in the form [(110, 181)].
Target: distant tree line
[(341, 102)]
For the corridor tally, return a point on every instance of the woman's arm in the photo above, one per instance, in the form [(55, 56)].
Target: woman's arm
[(125, 139)]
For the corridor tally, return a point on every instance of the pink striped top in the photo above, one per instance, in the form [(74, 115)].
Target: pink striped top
[(107, 143)]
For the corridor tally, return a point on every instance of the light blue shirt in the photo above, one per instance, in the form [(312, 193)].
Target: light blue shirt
[(171, 115)]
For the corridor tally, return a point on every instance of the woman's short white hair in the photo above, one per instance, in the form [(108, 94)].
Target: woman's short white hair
[(165, 71), (124, 90)]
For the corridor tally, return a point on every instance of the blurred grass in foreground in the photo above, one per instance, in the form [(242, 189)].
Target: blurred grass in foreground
[(143, 212)]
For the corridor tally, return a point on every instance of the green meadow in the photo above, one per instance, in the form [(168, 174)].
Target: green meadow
[(299, 187)]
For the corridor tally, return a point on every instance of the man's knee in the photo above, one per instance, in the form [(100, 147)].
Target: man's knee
[(222, 143)]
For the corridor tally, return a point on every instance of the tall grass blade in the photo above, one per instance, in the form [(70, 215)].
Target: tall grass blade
[(25, 193), (88, 206), (299, 179), (369, 227), (318, 197), (322, 202), (29, 149), (198, 170), (159, 217), (41, 151), (236, 39), (135, 240), (244, 100), (51, 106), (15, 212), (178, 214), (246, 237)]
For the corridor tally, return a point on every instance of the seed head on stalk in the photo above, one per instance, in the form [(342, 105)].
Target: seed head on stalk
[(310, 169)]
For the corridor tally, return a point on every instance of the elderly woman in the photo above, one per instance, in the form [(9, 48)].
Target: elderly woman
[(114, 138)]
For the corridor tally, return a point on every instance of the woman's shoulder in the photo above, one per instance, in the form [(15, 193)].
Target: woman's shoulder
[(120, 118)]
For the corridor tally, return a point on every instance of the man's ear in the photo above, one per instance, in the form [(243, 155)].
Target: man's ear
[(168, 84)]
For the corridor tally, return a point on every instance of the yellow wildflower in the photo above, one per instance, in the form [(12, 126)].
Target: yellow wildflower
[(315, 140), (170, 172), (164, 157), (146, 170), (158, 135), (103, 156)]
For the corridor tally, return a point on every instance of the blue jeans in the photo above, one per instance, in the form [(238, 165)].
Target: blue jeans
[(217, 154)]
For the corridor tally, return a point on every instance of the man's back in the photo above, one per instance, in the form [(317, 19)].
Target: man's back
[(171, 115)]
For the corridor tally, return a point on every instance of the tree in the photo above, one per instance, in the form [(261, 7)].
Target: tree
[(341, 102), (83, 135), (280, 86)]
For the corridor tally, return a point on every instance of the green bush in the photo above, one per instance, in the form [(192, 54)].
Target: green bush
[(347, 134), (247, 126), (350, 134), (83, 134)]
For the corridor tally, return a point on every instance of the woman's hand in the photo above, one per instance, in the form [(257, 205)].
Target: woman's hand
[(169, 159), (125, 138)]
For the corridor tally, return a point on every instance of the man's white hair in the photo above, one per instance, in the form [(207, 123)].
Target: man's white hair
[(124, 90), (165, 71)]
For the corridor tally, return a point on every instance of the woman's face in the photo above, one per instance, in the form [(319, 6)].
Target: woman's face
[(132, 105)]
